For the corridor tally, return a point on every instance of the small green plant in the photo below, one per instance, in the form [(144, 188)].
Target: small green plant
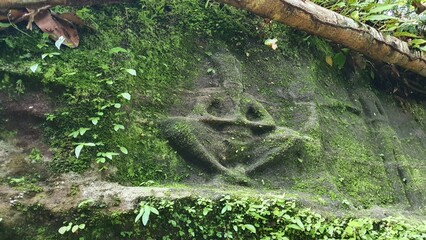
[(80, 146), (25, 184), (16, 181), (35, 155), (19, 87), (74, 190), (145, 211), (85, 203), (50, 55), (74, 228), (101, 156)]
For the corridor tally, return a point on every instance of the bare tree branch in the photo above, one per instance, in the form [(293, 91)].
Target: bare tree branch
[(309, 17)]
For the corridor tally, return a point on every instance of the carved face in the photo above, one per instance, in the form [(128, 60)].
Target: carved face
[(227, 130)]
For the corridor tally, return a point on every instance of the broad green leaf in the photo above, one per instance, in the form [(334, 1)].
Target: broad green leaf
[(78, 150), (82, 226), (418, 41), (117, 50), (131, 71), (349, 231), (294, 226), (63, 230), (145, 216), (224, 209), (94, 120), (355, 224), (141, 212), (154, 210), (43, 56), (339, 59), (74, 228), (299, 223), (206, 211), (5, 25), (100, 160), (118, 127), (126, 96), (85, 202), (83, 131), (330, 230), (391, 27), (250, 227), (378, 18), (34, 68), (110, 154), (405, 34), (381, 8), (117, 105), (74, 134), (124, 150), (355, 15)]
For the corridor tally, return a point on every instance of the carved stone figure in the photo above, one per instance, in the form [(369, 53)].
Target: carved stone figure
[(228, 131)]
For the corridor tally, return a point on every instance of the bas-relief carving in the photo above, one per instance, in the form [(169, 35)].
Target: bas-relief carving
[(228, 131)]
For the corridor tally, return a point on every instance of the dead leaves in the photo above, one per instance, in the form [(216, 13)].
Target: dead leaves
[(53, 24), (56, 27)]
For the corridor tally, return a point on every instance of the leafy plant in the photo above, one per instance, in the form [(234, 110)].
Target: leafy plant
[(395, 17), (80, 146), (71, 227), (35, 155), (145, 211)]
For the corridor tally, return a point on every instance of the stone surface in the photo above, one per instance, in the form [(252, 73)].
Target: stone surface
[(229, 131), (284, 123)]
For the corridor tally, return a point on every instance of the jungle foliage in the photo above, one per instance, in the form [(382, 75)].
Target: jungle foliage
[(404, 19), (225, 217), (109, 93)]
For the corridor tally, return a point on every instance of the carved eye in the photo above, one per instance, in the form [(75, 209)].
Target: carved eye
[(215, 107), (253, 114)]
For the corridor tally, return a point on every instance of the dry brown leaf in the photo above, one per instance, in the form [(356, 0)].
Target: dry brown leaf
[(56, 27)]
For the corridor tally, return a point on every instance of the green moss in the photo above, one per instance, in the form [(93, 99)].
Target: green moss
[(26, 183), (356, 169), (88, 80), (165, 42), (418, 112)]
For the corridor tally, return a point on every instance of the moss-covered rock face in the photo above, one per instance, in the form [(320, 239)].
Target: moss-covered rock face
[(185, 92), (365, 151), (230, 131), (269, 116)]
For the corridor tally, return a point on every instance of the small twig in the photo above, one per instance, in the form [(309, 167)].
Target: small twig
[(16, 27)]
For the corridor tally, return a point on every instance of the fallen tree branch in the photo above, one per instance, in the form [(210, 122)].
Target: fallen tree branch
[(309, 17)]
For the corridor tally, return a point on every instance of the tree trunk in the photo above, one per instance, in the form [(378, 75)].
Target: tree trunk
[(8, 4), (309, 17)]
